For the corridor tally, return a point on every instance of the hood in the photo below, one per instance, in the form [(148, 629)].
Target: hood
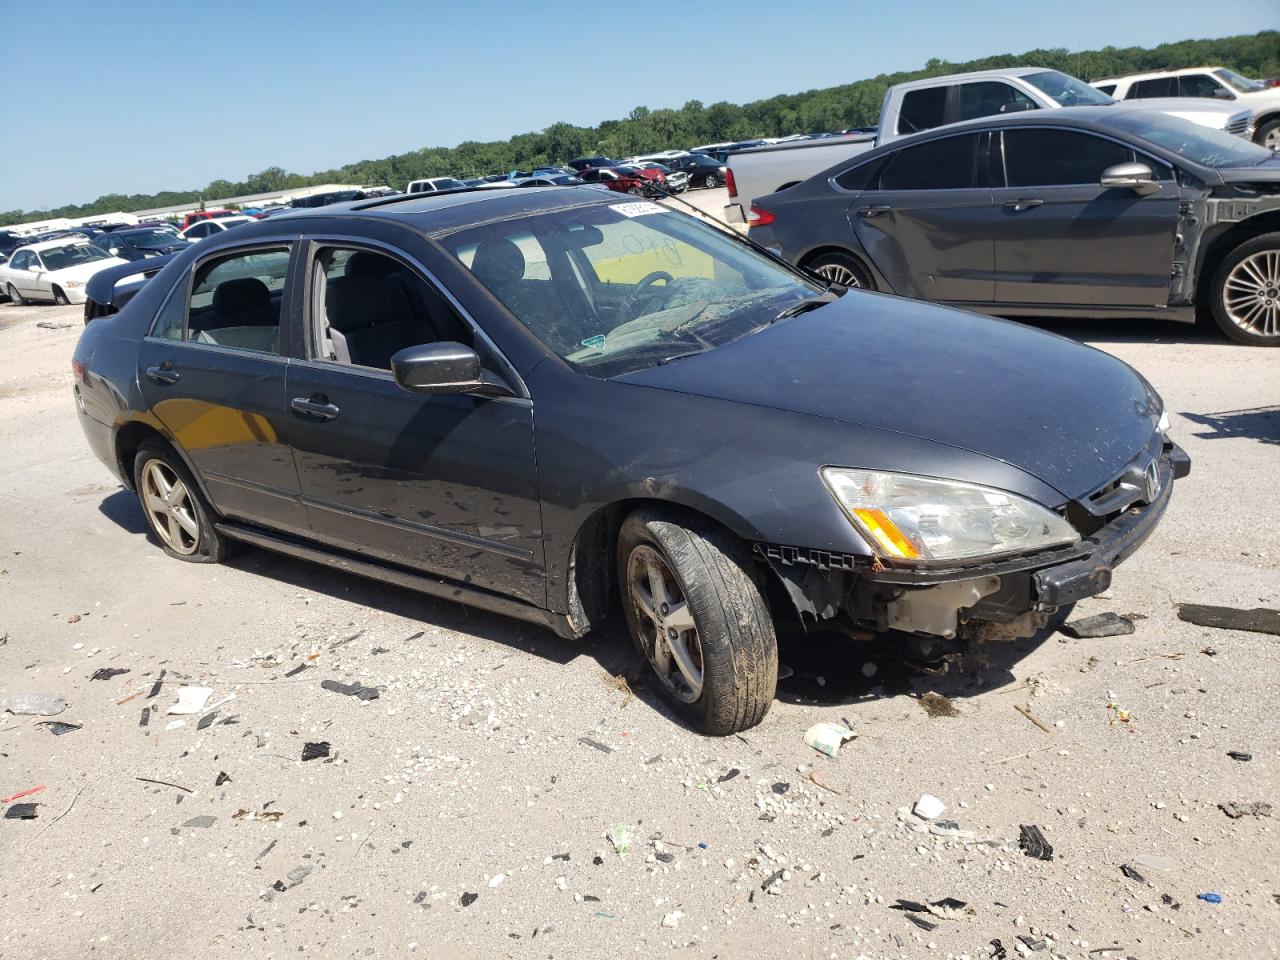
[(1066, 414), (83, 271)]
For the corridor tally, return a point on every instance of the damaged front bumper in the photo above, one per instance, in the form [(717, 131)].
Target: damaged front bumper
[(933, 611)]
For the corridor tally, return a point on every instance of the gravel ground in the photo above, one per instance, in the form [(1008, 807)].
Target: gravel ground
[(464, 812)]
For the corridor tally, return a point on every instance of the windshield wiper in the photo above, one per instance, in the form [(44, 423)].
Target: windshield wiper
[(680, 356), (796, 309)]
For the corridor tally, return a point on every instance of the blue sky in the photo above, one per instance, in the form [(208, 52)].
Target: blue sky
[(106, 96)]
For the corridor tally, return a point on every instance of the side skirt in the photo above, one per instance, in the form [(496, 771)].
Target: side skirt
[(445, 589)]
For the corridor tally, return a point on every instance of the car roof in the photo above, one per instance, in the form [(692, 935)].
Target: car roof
[(1001, 72), (1150, 74), (1089, 118), (70, 240)]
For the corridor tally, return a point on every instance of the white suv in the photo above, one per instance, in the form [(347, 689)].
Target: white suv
[(1217, 83)]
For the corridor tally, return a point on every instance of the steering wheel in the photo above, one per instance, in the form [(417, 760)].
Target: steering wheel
[(642, 290)]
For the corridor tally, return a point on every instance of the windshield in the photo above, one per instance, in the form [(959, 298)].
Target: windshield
[(1212, 148), (614, 287), (144, 238), (1066, 90), (1243, 84), (59, 258)]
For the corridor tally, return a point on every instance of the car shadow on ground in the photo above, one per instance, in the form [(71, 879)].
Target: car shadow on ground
[(1133, 330), (1254, 423), (827, 670)]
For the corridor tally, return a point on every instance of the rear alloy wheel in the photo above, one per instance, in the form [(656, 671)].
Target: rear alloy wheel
[(59, 297), (711, 182), (1245, 295), (175, 509), (15, 297), (841, 268), (697, 614)]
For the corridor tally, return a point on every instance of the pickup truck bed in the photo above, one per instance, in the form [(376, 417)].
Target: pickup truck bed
[(760, 171)]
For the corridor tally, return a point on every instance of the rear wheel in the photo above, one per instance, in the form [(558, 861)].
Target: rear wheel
[(841, 268), (1245, 292), (696, 611), (15, 297), (59, 297), (176, 511), (711, 181)]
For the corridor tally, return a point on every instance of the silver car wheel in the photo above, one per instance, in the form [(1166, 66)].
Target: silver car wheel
[(169, 507), (669, 635), (1272, 140), (838, 273), (1251, 294)]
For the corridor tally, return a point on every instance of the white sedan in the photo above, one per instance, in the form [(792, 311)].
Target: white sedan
[(211, 228), (55, 270)]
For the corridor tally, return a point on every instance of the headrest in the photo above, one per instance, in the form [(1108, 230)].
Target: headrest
[(498, 261), (354, 303), (240, 295), (364, 264)]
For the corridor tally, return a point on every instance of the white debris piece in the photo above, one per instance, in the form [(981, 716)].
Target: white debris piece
[(928, 807), (191, 700)]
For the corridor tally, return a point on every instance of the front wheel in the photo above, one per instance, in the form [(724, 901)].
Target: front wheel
[(696, 610), (841, 268), (1268, 135), (1245, 292), (15, 297), (711, 181), (176, 511), (636, 191)]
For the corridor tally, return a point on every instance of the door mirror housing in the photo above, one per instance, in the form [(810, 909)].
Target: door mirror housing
[(1135, 176), (444, 368)]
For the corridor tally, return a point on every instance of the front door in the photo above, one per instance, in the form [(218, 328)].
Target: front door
[(445, 483), (925, 220), (1063, 239), (213, 372)]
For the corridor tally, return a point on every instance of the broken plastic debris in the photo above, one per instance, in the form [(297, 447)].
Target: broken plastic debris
[(828, 737), (928, 807), (469, 898), (620, 838), (1237, 809), (1240, 755), (998, 951), (672, 919), (1151, 861), (21, 811), (35, 705), (203, 821), (356, 690), (1209, 897), (106, 673), (1100, 625), (221, 779), (22, 793), (595, 744), (1131, 873), (57, 727), (729, 776), (1033, 843), (190, 700), (1257, 620), (314, 751)]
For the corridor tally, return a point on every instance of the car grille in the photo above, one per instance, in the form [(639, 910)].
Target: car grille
[(1131, 485), (1240, 125)]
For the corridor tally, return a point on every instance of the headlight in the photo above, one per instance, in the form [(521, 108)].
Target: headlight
[(929, 521), (74, 283)]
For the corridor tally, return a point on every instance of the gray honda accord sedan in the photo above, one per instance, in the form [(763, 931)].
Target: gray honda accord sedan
[(1086, 211), (561, 405)]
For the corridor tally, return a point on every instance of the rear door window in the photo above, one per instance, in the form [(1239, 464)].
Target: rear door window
[(987, 98), (950, 163), (1155, 87), (235, 302), (1037, 157), (922, 110)]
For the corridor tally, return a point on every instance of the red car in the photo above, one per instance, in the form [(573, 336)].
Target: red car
[(623, 178), (198, 215)]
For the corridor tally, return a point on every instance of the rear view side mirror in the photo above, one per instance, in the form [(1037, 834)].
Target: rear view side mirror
[(1135, 176), (444, 368)]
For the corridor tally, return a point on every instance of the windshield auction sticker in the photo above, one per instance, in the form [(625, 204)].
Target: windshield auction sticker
[(639, 208)]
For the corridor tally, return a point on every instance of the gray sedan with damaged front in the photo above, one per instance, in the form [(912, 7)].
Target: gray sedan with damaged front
[(1085, 211), (562, 404)]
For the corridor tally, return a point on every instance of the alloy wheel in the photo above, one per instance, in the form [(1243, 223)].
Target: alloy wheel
[(170, 508), (667, 629), (711, 182), (1251, 294), (838, 273), (1272, 140)]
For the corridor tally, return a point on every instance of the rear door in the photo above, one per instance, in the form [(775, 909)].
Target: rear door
[(925, 220), (1063, 239), (443, 483), (213, 370)]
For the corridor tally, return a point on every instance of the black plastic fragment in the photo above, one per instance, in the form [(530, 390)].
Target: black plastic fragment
[(106, 673), (21, 811), (359, 691), (207, 720), (664, 856), (58, 727), (145, 718), (297, 670), (921, 922), (596, 744), (781, 788), (1257, 620), (469, 898), (729, 776), (772, 879), (1233, 754), (314, 751), (1033, 843), (1099, 625), (998, 951), (1131, 873), (221, 778)]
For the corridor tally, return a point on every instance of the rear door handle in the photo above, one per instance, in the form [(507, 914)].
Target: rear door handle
[(873, 211), (163, 373), (1017, 206), (318, 408)]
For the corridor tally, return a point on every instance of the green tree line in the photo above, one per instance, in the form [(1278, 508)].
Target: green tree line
[(643, 130)]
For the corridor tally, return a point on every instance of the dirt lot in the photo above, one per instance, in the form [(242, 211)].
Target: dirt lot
[(464, 812)]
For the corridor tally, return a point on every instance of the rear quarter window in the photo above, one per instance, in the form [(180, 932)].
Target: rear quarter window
[(922, 110)]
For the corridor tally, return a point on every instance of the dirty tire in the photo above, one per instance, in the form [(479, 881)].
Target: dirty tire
[(1268, 135), (1265, 330), (210, 546), (842, 268), (711, 181), (725, 595), (15, 297), (59, 298)]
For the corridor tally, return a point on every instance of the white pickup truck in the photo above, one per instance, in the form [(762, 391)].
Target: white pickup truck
[(924, 104)]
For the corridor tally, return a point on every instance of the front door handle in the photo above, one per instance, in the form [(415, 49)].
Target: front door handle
[(163, 373), (873, 211), (1027, 203), (319, 408)]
